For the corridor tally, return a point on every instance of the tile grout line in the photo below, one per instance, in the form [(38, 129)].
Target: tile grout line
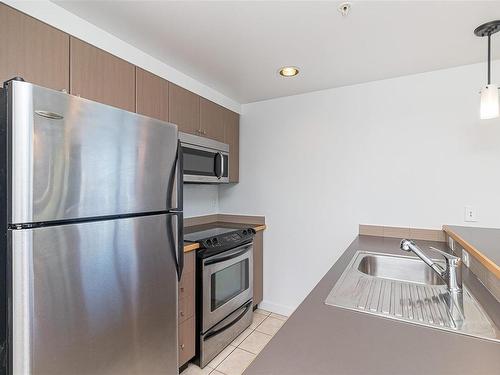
[(247, 351)]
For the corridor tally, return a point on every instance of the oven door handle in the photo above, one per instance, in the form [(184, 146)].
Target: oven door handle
[(215, 332), (228, 255)]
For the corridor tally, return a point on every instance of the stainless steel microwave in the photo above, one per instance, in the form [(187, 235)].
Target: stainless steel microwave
[(204, 160)]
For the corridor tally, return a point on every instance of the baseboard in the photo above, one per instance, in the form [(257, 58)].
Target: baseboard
[(276, 308)]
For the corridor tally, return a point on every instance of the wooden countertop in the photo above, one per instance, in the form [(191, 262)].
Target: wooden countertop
[(482, 243), (190, 246)]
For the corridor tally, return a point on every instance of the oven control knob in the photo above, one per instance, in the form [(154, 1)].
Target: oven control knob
[(209, 242), (215, 241), (244, 232)]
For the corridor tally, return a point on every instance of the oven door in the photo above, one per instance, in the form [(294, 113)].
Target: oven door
[(227, 284), (202, 164)]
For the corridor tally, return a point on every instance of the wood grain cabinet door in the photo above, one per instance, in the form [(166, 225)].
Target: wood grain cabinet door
[(184, 109), (258, 267), (187, 340), (232, 137), (98, 75), (187, 308), (32, 50), (212, 120), (151, 95)]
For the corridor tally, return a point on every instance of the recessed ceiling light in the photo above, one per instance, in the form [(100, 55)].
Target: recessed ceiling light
[(289, 71)]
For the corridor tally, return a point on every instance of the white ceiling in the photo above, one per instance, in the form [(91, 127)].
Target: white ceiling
[(236, 47)]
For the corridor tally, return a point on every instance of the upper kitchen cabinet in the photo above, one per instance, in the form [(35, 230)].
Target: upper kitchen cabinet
[(211, 120), (184, 109), (32, 50), (232, 137), (151, 95), (100, 76)]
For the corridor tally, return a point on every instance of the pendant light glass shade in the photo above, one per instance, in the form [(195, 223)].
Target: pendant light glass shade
[(489, 102)]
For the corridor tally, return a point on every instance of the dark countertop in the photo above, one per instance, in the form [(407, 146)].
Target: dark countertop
[(484, 240), (320, 339)]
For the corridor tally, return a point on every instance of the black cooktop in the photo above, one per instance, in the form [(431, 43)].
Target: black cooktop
[(212, 232), (215, 240)]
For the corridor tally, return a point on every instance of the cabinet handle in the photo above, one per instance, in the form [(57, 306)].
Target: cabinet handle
[(182, 289), (182, 346), (182, 313)]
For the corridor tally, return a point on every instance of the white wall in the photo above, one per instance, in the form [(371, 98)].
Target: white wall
[(200, 200), (408, 151), (66, 21)]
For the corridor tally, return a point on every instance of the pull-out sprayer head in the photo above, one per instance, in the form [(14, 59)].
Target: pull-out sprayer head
[(405, 245)]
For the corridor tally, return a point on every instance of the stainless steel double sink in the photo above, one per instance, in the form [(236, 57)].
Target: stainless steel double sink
[(406, 289)]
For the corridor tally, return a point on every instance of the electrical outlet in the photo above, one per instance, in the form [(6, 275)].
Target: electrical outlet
[(465, 258), (470, 213)]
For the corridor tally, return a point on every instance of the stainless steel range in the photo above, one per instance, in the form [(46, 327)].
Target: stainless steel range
[(224, 287)]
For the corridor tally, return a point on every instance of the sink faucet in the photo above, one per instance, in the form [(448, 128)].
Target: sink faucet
[(452, 275)]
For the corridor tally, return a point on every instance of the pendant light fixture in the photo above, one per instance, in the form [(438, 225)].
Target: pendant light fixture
[(489, 107)]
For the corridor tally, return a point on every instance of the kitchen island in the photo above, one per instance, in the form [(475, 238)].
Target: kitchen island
[(321, 339)]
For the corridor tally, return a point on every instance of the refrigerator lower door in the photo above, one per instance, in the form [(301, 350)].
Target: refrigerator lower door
[(95, 298), (72, 158)]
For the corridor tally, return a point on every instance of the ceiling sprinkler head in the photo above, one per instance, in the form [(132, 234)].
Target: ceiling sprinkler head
[(344, 8)]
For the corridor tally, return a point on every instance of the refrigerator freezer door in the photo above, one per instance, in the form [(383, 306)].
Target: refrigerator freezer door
[(74, 158), (95, 298)]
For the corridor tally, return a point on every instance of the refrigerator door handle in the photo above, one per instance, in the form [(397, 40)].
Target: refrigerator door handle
[(175, 239), (180, 176), (180, 245), (174, 193)]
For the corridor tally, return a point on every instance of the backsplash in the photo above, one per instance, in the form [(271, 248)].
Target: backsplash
[(200, 200)]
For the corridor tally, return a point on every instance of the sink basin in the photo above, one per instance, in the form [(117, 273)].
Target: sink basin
[(399, 268), (406, 289)]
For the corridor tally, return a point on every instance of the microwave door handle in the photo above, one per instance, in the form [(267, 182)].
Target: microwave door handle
[(212, 332), (221, 164), (218, 165)]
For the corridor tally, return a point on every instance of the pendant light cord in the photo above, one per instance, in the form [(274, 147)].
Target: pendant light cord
[(489, 59)]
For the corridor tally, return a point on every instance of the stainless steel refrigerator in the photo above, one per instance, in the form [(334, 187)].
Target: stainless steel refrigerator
[(91, 236)]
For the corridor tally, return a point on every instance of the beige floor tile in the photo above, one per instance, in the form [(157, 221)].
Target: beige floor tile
[(270, 326), (257, 319), (243, 335), (195, 370), (255, 342), (278, 316), (263, 312), (236, 362), (215, 372), (221, 356)]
